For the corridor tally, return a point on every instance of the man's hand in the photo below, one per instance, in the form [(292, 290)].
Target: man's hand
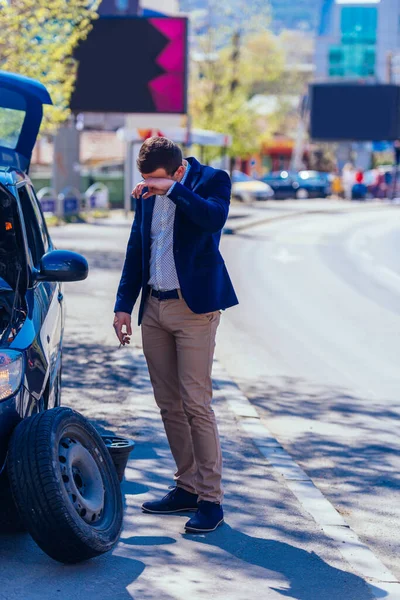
[(157, 186), (122, 326)]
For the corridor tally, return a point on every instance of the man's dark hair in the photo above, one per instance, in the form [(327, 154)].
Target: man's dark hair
[(159, 153)]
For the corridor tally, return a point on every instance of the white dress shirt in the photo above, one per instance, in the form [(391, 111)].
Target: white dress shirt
[(163, 275)]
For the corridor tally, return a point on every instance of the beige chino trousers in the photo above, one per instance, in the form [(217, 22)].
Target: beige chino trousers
[(179, 348)]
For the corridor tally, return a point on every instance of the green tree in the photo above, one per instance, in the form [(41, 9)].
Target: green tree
[(227, 63), (38, 38)]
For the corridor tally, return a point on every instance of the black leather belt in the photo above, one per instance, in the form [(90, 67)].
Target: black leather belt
[(170, 295)]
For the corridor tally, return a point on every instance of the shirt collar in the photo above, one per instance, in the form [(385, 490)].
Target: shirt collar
[(186, 173)]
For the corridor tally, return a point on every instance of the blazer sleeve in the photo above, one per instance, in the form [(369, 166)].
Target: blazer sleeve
[(131, 278), (209, 213)]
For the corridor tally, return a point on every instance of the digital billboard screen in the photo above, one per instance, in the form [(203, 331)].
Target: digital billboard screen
[(351, 111), (133, 65)]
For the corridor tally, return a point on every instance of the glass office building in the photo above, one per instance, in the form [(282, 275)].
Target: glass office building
[(355, 56), (356, 38)]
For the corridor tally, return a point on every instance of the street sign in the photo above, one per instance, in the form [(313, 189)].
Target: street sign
[(382, 146), (48, 205), (69, 201), (48, 200), (71, 206), (97, 197)]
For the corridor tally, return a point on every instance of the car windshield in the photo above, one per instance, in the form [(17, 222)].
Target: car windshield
[(312, 175), (277, 175), (239, 177), (11, 119)]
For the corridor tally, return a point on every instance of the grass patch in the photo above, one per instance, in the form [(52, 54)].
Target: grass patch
[(84, 217), (54, 221), (100, 214)]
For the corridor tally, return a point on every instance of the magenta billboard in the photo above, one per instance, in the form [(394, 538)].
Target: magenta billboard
[(133, 65)]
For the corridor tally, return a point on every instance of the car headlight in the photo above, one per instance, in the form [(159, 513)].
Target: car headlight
[(11, 372)]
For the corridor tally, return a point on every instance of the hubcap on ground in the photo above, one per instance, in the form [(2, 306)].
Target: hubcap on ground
[(82, 479)]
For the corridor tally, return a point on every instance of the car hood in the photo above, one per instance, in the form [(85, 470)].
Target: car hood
[(250, 186), (21, 112)]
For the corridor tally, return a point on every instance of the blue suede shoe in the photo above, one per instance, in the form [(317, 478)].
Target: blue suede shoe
[(177, 500), (209, 516)]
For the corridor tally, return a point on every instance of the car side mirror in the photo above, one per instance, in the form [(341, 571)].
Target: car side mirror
[(62, 265)]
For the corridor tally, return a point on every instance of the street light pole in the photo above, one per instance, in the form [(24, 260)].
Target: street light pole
[(236, 39)]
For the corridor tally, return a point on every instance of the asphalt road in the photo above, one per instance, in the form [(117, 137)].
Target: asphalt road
[(313, 345)]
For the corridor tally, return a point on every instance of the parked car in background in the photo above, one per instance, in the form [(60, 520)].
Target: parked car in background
[(301, 185), (247, 189)]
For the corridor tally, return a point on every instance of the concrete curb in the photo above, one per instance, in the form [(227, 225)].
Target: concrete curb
[(380, 580), (263, 220)]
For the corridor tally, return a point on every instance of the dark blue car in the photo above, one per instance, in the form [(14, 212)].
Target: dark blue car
[(301, 185), (57, 479)]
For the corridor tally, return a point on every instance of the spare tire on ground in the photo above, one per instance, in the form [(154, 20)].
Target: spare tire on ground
[(65, 485)]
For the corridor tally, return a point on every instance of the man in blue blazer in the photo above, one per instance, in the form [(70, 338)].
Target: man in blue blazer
[(173, 258)]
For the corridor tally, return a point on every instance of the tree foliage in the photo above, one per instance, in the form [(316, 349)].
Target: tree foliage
[(227, 63), (38, 38)]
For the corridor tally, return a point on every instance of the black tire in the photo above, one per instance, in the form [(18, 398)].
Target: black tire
[(65, 485), (10, 520)]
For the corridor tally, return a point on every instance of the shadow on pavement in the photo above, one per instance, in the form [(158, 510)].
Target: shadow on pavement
[(106, 577), (305, 572), (363, 457), (142, 540), (349, 445), (97, 382)]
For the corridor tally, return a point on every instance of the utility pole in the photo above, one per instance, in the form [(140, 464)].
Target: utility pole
[(389, 67), (235, 57), (298, 150), (66, 163)]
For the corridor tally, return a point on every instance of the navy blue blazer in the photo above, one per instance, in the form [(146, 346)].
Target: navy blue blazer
[(202, 206)]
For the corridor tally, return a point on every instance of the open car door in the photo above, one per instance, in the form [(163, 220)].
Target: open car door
[(21, 112)]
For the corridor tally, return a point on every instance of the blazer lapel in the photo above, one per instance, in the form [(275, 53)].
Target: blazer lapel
[(194, 174)]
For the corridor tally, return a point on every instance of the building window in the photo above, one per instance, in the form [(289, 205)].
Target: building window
[(356, 56), (352, 60), (359, 24)]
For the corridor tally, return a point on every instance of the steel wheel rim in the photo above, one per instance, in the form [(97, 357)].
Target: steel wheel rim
[(82, 480)]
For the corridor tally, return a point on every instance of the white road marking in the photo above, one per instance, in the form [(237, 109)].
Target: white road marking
[(381, 581), (284, 256)]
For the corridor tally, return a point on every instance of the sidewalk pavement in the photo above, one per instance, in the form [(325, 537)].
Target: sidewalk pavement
[(268, 546)]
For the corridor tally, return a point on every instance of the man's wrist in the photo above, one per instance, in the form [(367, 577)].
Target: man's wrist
[(171, 188)]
